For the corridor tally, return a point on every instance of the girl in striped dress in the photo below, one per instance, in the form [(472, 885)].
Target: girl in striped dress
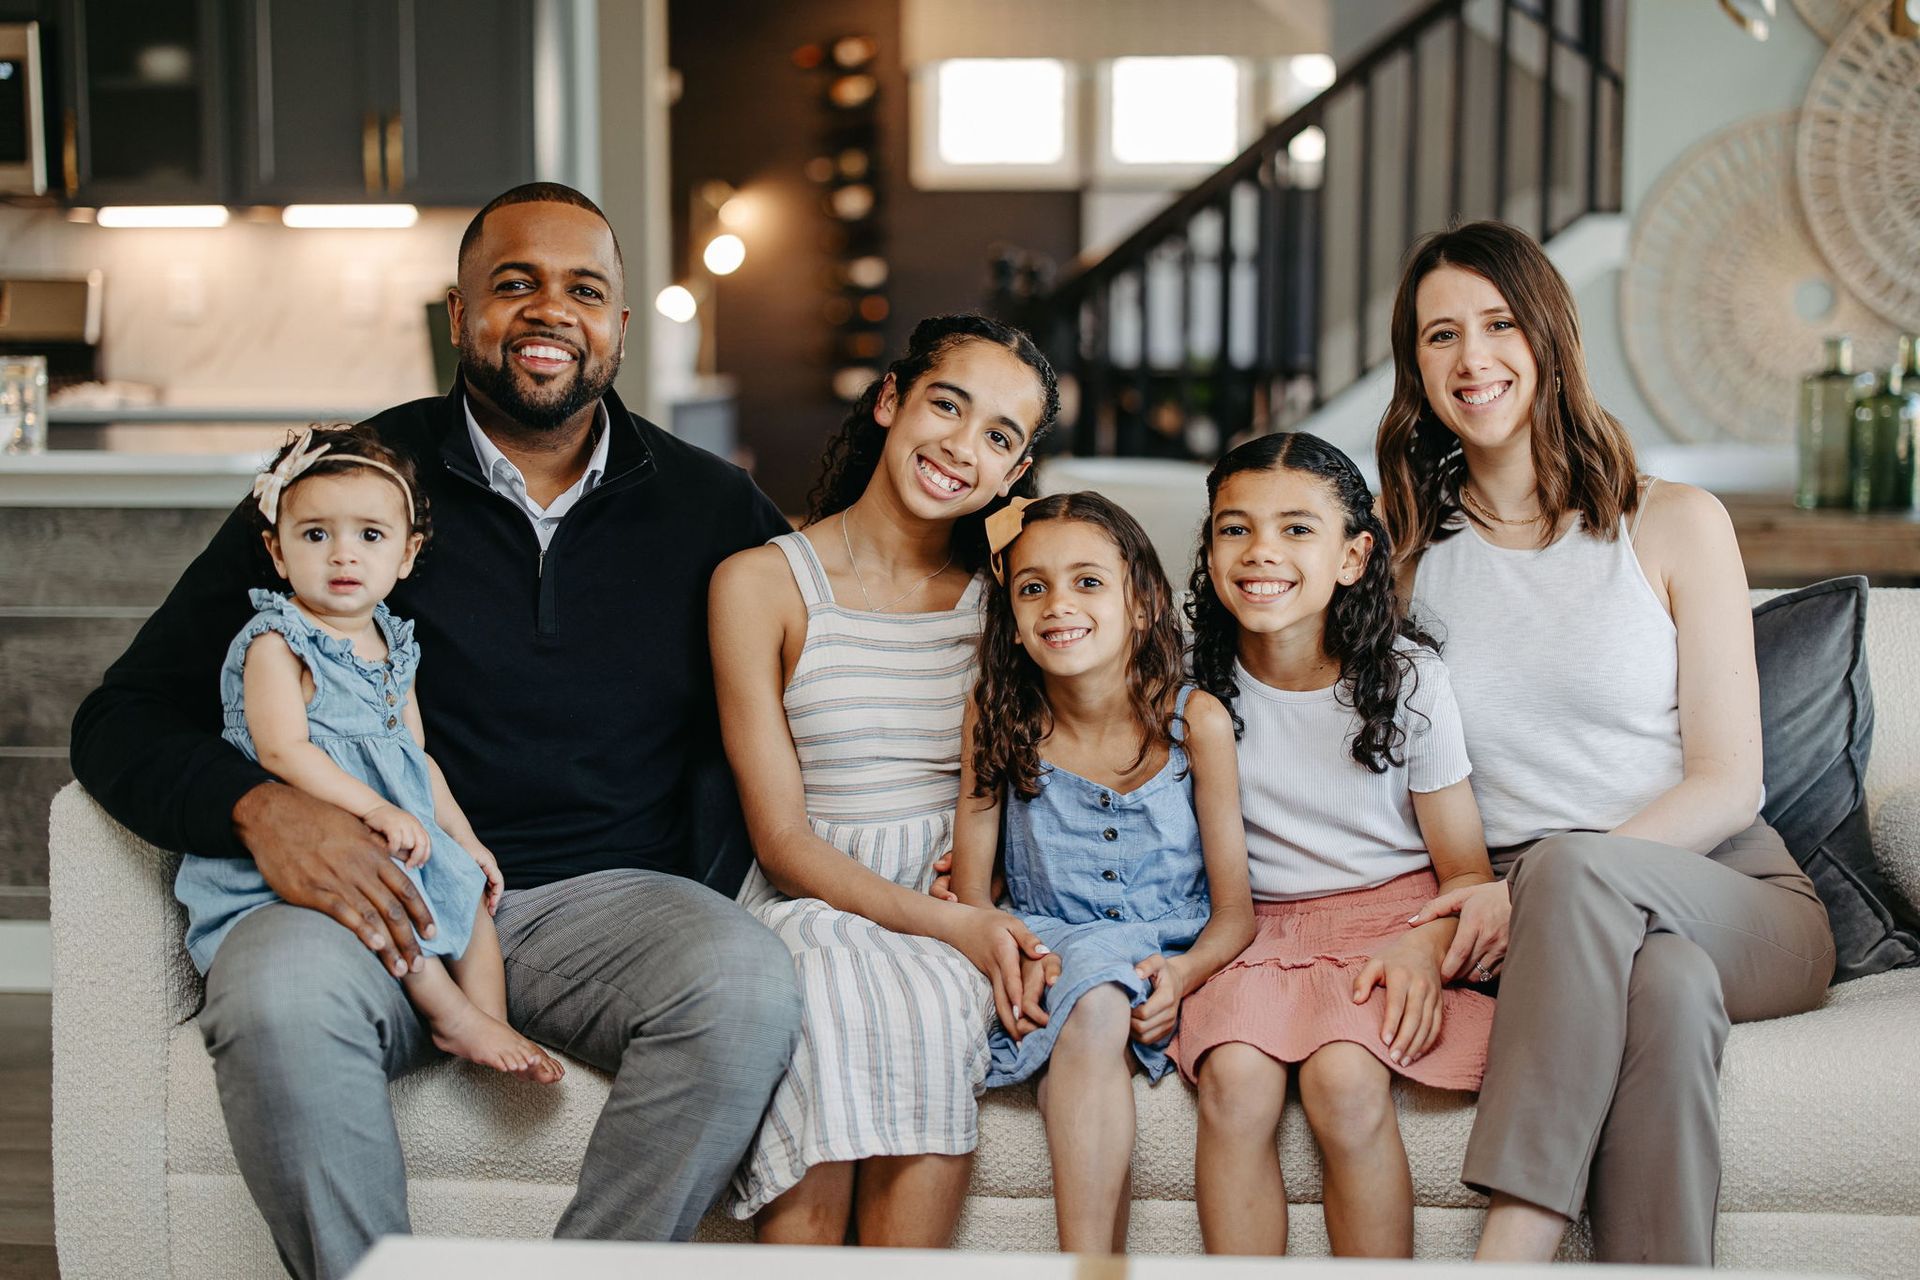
[(842, 657), (1355, 793)]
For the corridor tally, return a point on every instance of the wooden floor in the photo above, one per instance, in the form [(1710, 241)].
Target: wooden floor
[(26, 1138)]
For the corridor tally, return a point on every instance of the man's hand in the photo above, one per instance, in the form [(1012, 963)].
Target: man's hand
[(321, 857)]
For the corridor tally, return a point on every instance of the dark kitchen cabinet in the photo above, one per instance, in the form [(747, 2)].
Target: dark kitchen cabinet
[(422, 101), (143, 116)]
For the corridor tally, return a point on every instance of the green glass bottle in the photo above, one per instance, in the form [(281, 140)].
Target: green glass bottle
[(1884, 423), (1826, 429)]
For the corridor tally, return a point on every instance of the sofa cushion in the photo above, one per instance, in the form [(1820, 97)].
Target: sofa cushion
[(1805, 1127), (1816, 712)]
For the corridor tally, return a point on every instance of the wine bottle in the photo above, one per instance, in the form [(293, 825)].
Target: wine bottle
[(1884, 422), (1826, 429)]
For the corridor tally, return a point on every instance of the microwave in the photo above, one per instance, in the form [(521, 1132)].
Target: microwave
[(23, 156)]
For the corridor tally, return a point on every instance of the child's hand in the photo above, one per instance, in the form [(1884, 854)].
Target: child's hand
[(406, 838), (1413, 985), (1154, 1021), (1480, 944), (1036, 976), (495, 883), (942, 886)]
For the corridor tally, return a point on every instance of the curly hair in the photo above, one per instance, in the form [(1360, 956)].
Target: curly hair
[(1582, 457), (1362, 622), (1010, 699), (853, 453), (345, 441)]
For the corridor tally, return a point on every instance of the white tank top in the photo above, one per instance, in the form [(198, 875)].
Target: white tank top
[(1566, 667)]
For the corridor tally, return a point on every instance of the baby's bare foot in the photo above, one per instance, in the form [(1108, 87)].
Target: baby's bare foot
[(479, 1038)]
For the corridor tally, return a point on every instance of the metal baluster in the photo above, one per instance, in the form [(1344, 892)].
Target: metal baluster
[(1456, 174), (1183, 360), (1223, 361), (1590, 21), (1500, 110), (1411, 211), (1363, 257), (1546, 124)]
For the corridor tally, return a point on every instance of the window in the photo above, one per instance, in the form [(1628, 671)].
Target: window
[(995, 122), (1164, 111)]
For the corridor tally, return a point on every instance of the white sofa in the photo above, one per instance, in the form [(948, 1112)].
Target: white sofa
[(1821, 1112)]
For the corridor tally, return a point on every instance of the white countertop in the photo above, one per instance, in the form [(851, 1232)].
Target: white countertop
[(113, 478)]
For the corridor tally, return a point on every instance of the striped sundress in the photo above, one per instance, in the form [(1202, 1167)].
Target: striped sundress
[(893, 1039)]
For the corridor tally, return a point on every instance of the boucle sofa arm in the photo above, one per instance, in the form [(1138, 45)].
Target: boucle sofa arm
[(121, 983), (1896, 840)]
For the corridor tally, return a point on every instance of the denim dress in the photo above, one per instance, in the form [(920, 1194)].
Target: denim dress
[(355, 718), (1105, 879)]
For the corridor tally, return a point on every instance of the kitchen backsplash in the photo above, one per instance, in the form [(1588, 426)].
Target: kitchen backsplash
[(254, 313)]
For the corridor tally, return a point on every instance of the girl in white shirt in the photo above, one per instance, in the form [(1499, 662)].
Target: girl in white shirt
[(1353, 782)]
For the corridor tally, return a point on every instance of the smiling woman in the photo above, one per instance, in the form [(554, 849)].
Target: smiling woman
[(1650, 907)]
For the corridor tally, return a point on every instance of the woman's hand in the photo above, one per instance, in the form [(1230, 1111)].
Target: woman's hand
[(1413, 984), (1480, 945), (996, 942), (406, 838), (1155, 1020)]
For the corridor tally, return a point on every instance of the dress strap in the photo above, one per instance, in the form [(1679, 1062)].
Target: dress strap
[(1177, 728), (808, 573), (1639, 512)]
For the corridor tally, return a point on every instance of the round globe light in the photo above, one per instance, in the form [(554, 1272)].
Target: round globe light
[(724, 254), (675, 303)]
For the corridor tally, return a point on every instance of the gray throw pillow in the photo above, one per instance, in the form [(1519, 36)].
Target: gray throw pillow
[(1816, 715)]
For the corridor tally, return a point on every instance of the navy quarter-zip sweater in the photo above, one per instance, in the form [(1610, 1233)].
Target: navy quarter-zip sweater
[(567, 697)]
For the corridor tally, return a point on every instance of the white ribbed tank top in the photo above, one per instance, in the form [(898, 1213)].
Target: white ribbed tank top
[(1566, 668)]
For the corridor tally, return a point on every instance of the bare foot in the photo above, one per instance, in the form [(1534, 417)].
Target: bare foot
[(475, 1036)]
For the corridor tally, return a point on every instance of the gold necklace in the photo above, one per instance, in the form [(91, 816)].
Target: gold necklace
[(861, 583), (1485, 512)]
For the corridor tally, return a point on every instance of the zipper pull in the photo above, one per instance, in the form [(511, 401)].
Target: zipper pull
[(540, 565)]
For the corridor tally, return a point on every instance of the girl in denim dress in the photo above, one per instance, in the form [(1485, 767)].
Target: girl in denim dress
[(317, 687), (1116, 788)]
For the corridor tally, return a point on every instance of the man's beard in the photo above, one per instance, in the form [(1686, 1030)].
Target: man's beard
[(551, 407)]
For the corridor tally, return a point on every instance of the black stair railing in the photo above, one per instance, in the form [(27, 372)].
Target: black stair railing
[(1471, 108)]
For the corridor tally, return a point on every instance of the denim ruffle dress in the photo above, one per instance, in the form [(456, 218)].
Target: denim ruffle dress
[(1105, 879), (355, 718)]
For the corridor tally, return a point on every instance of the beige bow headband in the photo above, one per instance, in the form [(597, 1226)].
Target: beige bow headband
[(1003, 526), (270, 485)]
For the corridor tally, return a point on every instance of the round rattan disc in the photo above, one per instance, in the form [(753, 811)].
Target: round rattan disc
[(1829, 18), (1858, 161), (1714, 298)]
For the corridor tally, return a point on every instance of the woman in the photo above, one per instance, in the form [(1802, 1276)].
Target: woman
[(843, 655), (1597, 630)]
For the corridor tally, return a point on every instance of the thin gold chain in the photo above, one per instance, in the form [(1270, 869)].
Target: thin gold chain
[(1485, 512), (861, 582)]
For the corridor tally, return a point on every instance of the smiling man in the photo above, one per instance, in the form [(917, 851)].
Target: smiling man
[(561, 613)]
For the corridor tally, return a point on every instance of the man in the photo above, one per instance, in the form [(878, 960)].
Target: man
[(561, 614)]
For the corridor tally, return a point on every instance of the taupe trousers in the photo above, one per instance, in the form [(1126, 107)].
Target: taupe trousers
[(1627, 961)]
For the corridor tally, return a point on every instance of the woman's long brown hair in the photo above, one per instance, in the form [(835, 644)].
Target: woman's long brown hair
[(1011, 716), (1582, 457)]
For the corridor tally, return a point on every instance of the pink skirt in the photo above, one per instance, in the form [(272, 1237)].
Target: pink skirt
[(1291, 991)]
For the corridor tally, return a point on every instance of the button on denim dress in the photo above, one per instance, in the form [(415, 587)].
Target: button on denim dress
[(1105, 879), (355, 718)]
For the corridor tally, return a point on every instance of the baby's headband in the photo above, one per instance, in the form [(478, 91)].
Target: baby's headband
[(1003, 526), (269, 485)]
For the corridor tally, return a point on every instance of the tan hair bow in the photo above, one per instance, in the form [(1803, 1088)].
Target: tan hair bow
[(270, 485), (1003, 526)]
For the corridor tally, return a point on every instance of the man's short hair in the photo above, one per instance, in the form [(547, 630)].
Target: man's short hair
[(536, 193)]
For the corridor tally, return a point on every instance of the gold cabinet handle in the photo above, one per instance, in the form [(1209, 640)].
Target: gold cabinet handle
[(70, 153), (370, 152), (396, 155)]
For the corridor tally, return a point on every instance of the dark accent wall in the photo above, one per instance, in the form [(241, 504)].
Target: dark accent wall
[(749, 116)]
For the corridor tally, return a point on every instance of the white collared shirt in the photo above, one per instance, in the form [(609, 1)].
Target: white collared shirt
[(506, 479)]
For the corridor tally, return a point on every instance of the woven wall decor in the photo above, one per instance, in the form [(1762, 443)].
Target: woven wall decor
[(1829, 18), (1858, 161), (1711, 300)]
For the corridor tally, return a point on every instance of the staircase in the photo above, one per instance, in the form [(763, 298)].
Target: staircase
[(1265, 291)]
